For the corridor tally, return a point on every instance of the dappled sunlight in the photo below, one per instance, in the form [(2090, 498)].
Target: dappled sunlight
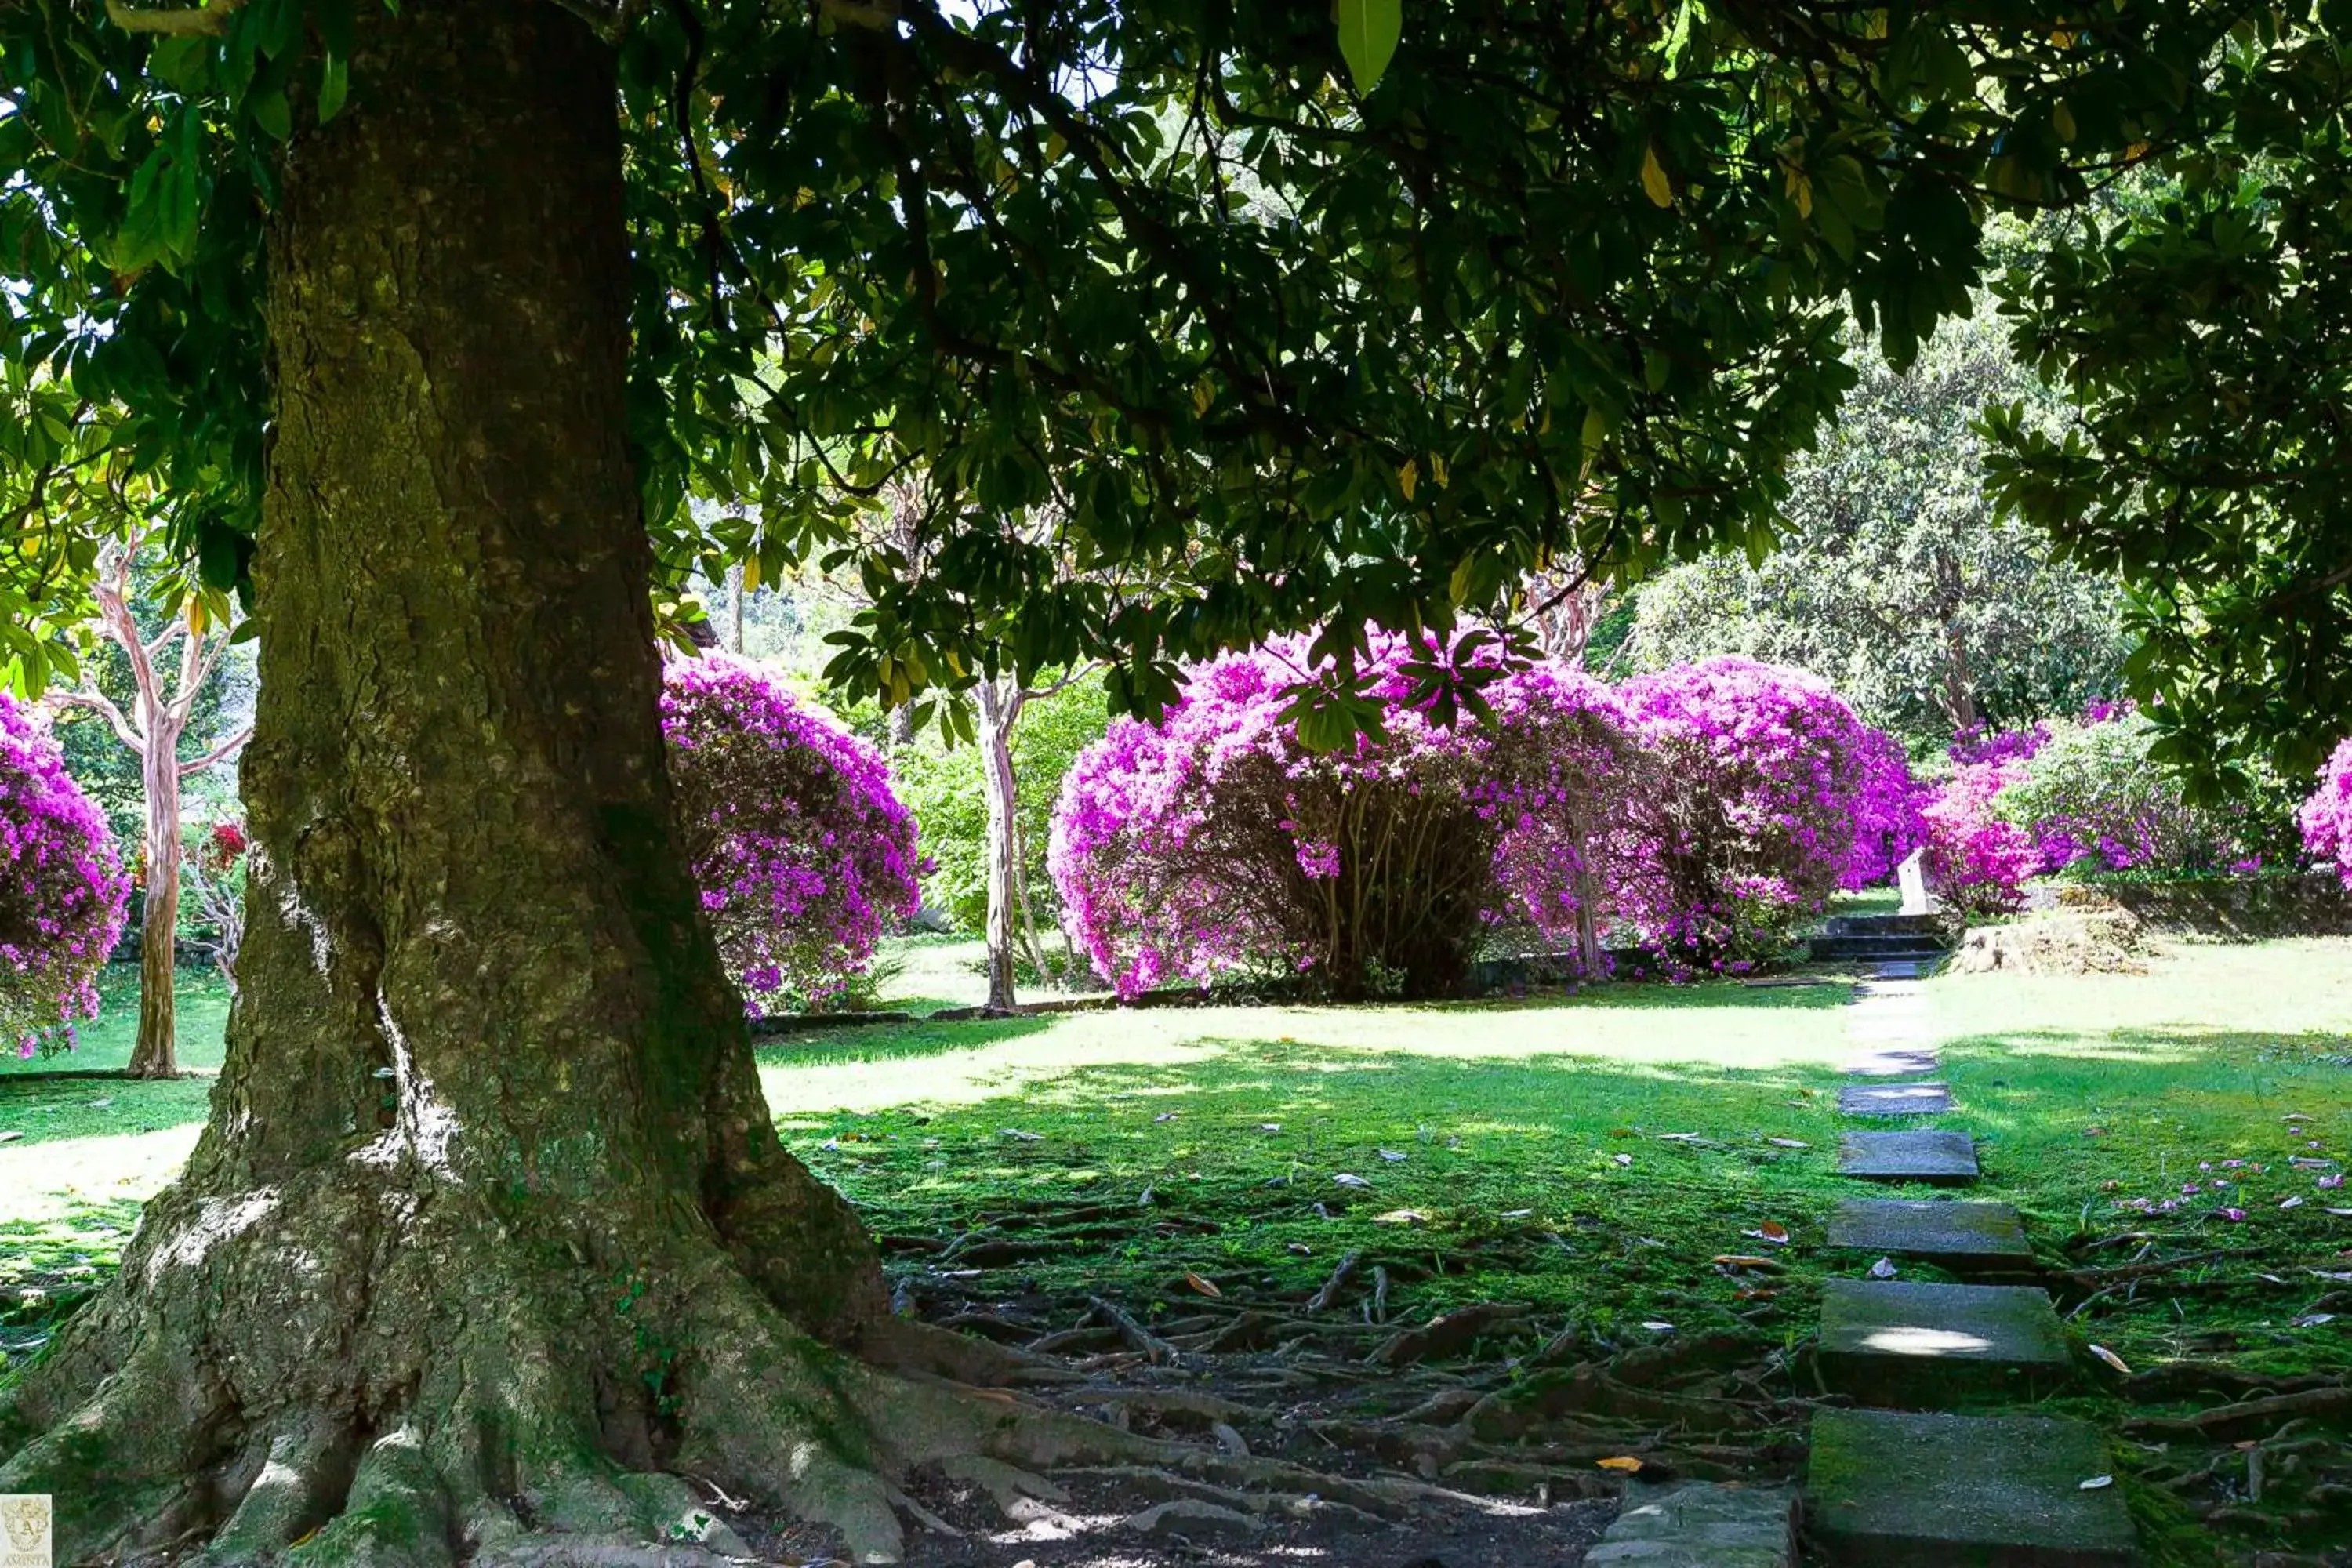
[(1743, 1029), (1910, 1338), (47, 1181)]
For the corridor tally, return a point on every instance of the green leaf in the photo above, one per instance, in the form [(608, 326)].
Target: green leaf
[(334, 86), (1369, 31)]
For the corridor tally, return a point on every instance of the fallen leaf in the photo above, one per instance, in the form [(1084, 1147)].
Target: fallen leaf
[(1206, 1287), (1681, 1138), (1625, 1462), (1345, 1180), (1659, 1328), (1024, 1137), (102, 1102), (2312, 1319), (1390, 1155), (1882, 1269), (1622, 1159), (2095, 1483), (2323, 1274), (2112, 1359), (1744, 1260), (10, 1137), (1771, 1231), (1165, 1116), (2294, 1202), (1622, 1132), (1269, 1126), (1514, 1213), (1401, 1217), (2344, 1214), (1789, 1143)]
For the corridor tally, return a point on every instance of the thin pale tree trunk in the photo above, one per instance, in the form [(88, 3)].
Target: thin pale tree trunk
[(999, 710)]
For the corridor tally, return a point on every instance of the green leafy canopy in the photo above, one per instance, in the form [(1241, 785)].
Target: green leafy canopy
[(1306, 355)]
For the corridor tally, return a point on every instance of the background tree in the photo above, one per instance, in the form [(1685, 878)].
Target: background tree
[(1897, 581), (1555, 282), (170, 671)]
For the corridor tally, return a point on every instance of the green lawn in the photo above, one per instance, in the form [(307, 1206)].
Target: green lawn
[(1592, 1156)]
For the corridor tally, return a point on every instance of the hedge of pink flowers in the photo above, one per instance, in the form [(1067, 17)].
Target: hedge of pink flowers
[(1705, 812), (1768, 794), (803, 853), (2326, 816), (62, 892), (1977, 861), (1215, 842)]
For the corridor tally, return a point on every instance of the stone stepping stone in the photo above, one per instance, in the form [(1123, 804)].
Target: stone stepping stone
[(1956, 1234), (1882, 1488), (1705, 1524), (1942, 1159), (1902, 968), (1922, 1347), (1892, 1060), (1894, 1098)]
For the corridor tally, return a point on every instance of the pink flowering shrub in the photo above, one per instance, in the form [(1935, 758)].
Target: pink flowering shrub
[(803, 853), (1887, 825), (1759, 774), (2092, 799), (1215, 842), (2326, 816), (1977, 861), (1976, 744), (62, 892)]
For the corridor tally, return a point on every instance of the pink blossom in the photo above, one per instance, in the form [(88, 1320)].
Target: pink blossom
[(62, 892), (802, 853)]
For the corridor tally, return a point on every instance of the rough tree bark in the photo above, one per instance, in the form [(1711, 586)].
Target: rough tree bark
[(489, 1234), (151, 730)]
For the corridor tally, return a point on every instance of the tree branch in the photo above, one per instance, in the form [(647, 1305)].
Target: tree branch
[(190, 769), (98, 702), (205, 21)]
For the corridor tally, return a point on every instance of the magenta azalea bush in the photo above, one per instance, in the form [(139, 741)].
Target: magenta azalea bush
[(2326, 817), (62, 892), (803, 855), (1216, 842), (1978, 862), (1763, 785), (2092, 799)]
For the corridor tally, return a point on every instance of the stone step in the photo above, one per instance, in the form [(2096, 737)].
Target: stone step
[(1939, 1158), (1956, 1234), (1703, 1524), (1906, 968), (1848, 948), (1889, 1059), (1894, 1098), (1923, 1347), (1879, 925), (1883, 1488)]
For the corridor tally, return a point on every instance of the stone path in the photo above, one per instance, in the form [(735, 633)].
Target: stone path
[(1903, 1479)]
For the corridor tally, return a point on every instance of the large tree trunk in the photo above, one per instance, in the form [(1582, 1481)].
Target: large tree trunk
[(155, 1053), (998, 712), (490, 1227)]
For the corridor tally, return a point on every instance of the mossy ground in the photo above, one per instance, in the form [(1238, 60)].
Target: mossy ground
[(1591, 1156)]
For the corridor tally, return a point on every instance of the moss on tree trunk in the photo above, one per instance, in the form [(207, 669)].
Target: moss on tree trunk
[(490, 1226)]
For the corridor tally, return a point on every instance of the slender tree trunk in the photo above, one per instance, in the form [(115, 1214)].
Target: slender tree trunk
[(490, 1231), (155, 1052), (998, 712)]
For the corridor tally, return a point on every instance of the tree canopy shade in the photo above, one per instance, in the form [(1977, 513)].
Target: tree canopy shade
[(2200, 328), (490, 1232), (1556, 282)]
